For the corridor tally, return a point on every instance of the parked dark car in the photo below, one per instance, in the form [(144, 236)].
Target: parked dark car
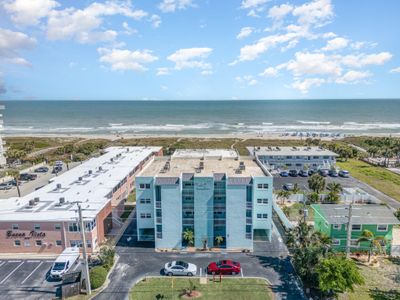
[(311, 172), (42, 170), (303, 173), (293, 173), (224, 267), (27, 177), (56, 169), (284, 174), (323, 172), (333, 173)]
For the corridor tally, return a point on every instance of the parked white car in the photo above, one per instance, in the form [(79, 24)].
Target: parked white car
[(64, 262), (180, 268)]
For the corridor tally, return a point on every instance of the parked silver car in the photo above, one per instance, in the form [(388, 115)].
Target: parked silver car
[(180, 268)]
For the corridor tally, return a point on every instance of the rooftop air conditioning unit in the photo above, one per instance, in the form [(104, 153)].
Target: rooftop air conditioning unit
[(36, 199), (90, 172), (31, 202), (61, 200), (80, 178), (111, 159), (58, 186), (100, 168), (127, 149)]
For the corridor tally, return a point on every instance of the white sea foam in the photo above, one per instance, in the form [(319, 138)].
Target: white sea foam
[(313, 122)]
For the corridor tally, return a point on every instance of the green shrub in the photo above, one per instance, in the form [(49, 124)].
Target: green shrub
[(98, 276), (107, 255)]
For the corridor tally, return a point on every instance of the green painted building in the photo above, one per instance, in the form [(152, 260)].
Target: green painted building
[(332, 220)]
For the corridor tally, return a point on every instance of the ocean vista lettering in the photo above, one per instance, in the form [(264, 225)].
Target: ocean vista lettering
[(33, 234)]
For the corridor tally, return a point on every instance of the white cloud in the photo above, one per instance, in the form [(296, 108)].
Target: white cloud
[(11, 42), (121, 60), (306, 63), (29, 12), (252, 3), (353, 77), (246, 80), (128, 29), (306, 84), (269, 72), (164, 87), (278, 12), (167, 6), (191, 58), (155, 21), (245, 32), (317, 12), (336, 44), (81, 24), (253, 13), (206, 72), (362, 60), (395, 70), (329, 35), (163, 71)]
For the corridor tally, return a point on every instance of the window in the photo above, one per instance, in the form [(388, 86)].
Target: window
[(141, 186), (39, 243), (148, 216), (262, 201), (159, 228), (248, 213), (142, 216), (336, 242), (382, 228), (147, 185), (57, 226), (58, 243), (265, 186), (17, 243), (259, 186), (259, 216), (356, 227), (76, 243), (27, 243), (73, 227), (337, 226), (89, 243), (265, 216), (37, 226), (248, 228), (14, 226), (262, 186), (145, 201)]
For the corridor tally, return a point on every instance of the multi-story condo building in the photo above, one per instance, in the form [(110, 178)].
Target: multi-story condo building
[(212, 193), (294, 157), (2, 148), (45, 221)]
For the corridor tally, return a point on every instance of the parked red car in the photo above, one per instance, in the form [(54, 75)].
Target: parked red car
[(224, 267)]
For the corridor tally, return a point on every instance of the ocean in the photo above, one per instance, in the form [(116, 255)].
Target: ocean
[(202, 117)]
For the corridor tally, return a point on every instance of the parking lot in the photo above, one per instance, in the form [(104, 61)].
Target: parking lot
[(27, 187), (27, 279), (269, 260)]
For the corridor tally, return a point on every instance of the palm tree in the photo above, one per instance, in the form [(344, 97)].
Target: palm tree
[(283, 195), (296, 189), (334, 187), (316, 183), (313, 197), (219, 239), (374, 242), (15, 175), (188, 236)]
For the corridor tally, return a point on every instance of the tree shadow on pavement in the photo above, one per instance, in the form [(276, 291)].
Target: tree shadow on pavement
[(289, 287)]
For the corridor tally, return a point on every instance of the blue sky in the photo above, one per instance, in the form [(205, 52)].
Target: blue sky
[(192, 49)]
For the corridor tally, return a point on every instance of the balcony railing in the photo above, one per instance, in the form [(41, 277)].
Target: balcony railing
[(249, 205), (249, 220), (219, 222), (159, 220), (248, 236), (158, 204)]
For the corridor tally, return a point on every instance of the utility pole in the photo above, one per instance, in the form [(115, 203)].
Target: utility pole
[(349, 225), (85, 260)]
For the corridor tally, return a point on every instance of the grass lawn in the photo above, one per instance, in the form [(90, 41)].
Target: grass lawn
[(228, 289), (383, 180), (295, 214), (381, 283)]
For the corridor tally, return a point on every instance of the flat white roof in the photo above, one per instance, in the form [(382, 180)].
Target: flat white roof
[(207, 153), (91, 182), (290, 151)]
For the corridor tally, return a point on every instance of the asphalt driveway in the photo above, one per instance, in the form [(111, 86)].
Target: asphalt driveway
[(136, 260)]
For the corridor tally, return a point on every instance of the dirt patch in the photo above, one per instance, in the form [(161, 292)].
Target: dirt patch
[(193, 295)]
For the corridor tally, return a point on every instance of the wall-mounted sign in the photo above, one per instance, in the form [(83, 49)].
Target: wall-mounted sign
[(24, 235)]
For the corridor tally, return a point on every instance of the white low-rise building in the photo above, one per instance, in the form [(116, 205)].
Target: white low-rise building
[(294, 157)]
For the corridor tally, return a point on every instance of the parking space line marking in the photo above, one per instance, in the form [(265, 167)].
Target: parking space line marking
[(37, 267), (49, 261), (14, 261), (33, 261), (2, 263), (12, 272), (200, 272), (241, 272)]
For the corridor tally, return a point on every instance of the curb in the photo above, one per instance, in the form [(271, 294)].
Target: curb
[(107, 282)]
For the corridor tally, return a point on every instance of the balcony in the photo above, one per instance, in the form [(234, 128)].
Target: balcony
[(249, 205), (248, 236), (249, 220), (188, 222), (159, 220), (158, 204), (219, 221)]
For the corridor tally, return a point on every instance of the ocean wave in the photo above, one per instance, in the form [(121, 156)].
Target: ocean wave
[(162, 127), (313, 122)]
